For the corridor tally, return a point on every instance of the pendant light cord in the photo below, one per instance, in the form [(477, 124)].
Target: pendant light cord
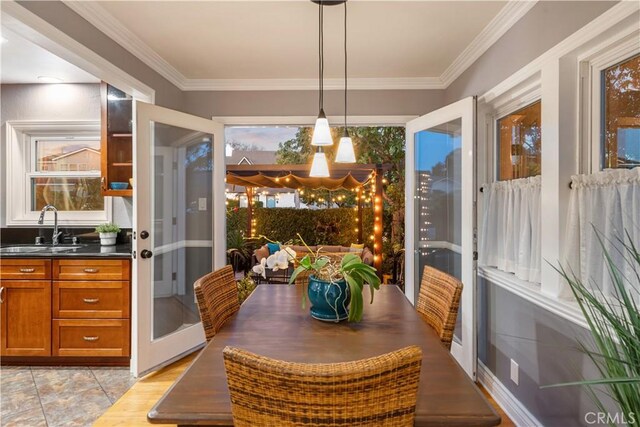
[(321, 56), (345, 67)]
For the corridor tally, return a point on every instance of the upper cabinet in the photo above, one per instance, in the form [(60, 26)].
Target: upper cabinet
[(116, 142)]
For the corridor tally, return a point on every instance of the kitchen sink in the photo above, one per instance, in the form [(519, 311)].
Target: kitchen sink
[(37, 248)]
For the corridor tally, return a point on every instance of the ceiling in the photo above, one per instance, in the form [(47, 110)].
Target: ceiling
[(239, 40), (24, 61)]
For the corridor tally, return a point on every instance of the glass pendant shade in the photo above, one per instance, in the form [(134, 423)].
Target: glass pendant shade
[(321, 132), (319, 166), (345, 152)]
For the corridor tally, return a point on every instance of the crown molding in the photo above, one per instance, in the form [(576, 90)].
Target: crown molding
[(109, 25), (312, 84), (496, 28), (97, 16)]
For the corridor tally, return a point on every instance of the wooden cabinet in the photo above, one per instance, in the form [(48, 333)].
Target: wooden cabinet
[(76, 308), (116, 142), (91, 307), (26, 318)]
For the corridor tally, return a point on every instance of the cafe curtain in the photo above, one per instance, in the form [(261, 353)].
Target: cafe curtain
[(510, 233), (603, 206)]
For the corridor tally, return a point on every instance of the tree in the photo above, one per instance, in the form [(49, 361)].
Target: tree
[(373, 144)]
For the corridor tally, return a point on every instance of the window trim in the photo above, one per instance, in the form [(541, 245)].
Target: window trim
[(19, 136), (613, 51)]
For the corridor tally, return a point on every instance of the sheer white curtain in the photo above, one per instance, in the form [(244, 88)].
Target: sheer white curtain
[(607, 202), (510, 234)]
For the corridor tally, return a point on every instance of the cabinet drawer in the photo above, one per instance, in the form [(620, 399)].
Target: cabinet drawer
[(31, 269), (91, 269), (90, 300), (109, 338)]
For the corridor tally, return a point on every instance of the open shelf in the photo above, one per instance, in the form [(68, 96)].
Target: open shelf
[(118, 193)]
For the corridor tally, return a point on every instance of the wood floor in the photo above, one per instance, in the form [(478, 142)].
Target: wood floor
[(132, 408)]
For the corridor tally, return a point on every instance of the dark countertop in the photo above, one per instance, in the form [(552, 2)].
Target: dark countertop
[(83, 250)]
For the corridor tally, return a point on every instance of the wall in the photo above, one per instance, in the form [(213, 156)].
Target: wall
[(544, 26), (305, 103), (509, 326), (52, 102)]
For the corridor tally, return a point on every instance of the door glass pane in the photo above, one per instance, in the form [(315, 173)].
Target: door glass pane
[(438, 202), (182, 220)]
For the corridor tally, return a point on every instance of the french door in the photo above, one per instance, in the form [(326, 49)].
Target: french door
[(179, 215), (440, 211)]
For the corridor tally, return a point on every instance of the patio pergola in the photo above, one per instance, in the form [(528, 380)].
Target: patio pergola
[(347, 177)]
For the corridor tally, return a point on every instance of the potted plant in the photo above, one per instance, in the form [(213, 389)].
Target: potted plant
[(108, 233), (336, 283), (614, 323)]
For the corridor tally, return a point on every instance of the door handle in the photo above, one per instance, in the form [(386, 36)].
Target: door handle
[(146, 254), (144, 234), (1, 294)]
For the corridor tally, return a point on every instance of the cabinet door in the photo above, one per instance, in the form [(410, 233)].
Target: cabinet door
[(25, 313)]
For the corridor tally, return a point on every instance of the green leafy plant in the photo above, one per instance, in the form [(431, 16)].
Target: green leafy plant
[(614, 323), (350, 267), (107, 228), (245, 287)]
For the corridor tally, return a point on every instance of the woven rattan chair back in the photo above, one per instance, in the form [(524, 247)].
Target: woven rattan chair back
[(380, 391), (217, 296), (439, 301)]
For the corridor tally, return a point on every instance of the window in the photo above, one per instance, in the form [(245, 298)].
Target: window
[(271, 201), (55, 163), (621, 114), (520, 143), (54, 176)]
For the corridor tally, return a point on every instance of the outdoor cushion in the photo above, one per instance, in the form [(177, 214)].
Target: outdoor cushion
[(355, 248), (326, 248), (273, 248), (262, 252)]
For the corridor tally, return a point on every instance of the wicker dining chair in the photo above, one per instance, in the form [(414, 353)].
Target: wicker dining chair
[(439, 301), (380, 391), (217, 297)]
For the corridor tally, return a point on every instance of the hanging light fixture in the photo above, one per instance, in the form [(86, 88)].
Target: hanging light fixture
[(319, 166), (345, 152), (321, 132)]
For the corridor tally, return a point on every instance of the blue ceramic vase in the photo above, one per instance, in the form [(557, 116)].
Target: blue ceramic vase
[(329, 301)]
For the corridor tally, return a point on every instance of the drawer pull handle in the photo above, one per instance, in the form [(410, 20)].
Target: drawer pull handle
[(1, 294), (27, 270), (91, 270), (91, 338), (91, 300)]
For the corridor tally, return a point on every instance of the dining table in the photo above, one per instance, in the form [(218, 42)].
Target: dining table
[(274, 322)]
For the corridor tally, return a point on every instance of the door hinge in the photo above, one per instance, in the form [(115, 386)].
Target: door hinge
[(174, 220), (134, 254), (475, 255), (174, 276)]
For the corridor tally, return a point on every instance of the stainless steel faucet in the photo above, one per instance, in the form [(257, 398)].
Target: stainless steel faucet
[(56, 233)]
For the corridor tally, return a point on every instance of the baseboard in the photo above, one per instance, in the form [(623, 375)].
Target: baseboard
[(507, 401)]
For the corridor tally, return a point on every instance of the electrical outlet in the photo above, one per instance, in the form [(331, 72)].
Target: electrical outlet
[(202, 204), (515, 375)]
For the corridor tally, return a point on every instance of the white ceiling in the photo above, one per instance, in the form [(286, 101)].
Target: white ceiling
[(24, 62), (202, 42)]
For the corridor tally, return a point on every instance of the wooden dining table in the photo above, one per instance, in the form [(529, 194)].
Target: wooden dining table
[(273, 323)]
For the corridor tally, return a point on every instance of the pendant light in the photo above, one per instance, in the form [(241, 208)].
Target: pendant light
[(321, 132), (345, 152), (319, 166)]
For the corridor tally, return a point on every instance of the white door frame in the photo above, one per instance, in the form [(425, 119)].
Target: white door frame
[(148, 353), (466, 110)]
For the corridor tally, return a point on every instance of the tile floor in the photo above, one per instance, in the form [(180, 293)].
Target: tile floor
[(59, 396)]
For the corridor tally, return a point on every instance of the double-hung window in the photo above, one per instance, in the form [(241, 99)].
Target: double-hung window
[(54, 165)]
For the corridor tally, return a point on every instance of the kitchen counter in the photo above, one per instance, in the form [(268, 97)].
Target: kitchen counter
[(82, 250)]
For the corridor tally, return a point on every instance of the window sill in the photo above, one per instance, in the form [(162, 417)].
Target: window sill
[(532, 292)]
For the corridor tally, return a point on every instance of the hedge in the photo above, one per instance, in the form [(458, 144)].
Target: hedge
[(317, 227)]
